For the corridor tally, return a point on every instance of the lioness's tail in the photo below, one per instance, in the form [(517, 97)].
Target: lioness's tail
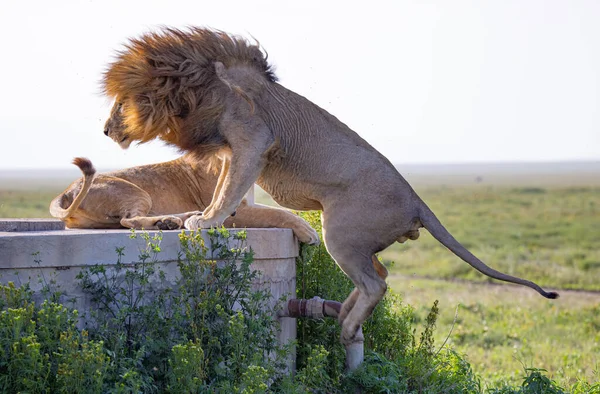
[(89, 172), (439, 232)]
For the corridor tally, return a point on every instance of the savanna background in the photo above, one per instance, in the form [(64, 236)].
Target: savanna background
[(540, 221)]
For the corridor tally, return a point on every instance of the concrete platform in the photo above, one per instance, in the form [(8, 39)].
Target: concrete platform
[(31, 225), (26, 256)]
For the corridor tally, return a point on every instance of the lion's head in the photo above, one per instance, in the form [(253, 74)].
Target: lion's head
[(115, 126), (164, 83)]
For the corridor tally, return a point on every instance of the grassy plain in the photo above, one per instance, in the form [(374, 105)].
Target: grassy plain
[(550, 235), (26, 203), (543, 225), (501, 329)]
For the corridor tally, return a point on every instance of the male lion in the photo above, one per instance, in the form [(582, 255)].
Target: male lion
[(146, 197), (208, 92)]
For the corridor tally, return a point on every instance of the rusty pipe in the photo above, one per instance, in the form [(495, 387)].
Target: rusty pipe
[(318, 308), (315, 308)]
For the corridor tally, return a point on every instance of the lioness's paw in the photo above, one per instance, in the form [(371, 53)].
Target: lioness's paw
[(188, 215), (196, 222), (169, 223)]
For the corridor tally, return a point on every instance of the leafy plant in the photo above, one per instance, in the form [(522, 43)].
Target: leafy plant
[(203, 332), (41, 349), (187, 368)]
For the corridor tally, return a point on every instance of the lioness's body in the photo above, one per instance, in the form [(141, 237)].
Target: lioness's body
[(205, 92), (159, 196)]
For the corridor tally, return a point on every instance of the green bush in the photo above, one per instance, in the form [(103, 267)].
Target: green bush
[(41, 349), (214, 333), (209, 333), (187, 368)]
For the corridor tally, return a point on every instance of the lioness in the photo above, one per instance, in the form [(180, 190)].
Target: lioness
[(159, 196), (208, 92)]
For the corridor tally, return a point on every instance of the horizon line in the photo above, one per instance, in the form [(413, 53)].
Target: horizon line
[(396, 164)]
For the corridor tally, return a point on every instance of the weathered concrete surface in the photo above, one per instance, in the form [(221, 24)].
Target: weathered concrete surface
[(31, 225), (76, 248), (60, 255)]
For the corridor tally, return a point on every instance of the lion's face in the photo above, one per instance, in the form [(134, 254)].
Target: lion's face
[(115, 127)]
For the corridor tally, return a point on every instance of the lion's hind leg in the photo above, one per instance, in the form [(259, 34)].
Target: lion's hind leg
[(351, 300), (369, 290), (136, 208), (365, 272), (163, 222)]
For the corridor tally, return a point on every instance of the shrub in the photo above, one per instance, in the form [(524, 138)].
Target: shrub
[(204, 333), (187, 368), (41, 349)]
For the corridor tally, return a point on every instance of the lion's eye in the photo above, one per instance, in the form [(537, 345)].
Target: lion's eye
[(120, 107)]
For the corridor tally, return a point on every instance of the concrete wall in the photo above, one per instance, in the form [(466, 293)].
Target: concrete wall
[(60, 255)]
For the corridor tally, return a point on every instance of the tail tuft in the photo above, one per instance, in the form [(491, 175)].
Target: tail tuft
[(85, 165), (551, 295)]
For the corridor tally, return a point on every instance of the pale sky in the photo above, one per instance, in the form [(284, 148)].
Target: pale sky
[(422, 81)]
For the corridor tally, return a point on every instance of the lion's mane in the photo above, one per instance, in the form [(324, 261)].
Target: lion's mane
[(166, 81)]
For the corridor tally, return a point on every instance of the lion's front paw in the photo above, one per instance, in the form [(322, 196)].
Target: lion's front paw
[(308, 236), (196, 222), (169, 223), (305, 233)]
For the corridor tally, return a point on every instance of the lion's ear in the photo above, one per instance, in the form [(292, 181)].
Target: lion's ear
[(220, 70), (221, 73)]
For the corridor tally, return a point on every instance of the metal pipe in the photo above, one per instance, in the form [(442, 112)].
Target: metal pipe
[(318, 308)]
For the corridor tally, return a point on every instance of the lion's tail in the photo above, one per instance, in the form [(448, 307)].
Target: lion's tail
[(89, 173), (439, 232)]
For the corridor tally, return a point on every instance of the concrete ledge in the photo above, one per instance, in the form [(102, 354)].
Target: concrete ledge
[(31, 225), (77, 248), (61, 254)]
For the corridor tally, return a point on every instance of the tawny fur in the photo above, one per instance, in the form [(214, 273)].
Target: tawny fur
[(159, 196), (89, 172), (205, 91)]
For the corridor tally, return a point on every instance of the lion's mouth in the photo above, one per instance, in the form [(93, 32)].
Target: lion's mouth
[(124, 143)]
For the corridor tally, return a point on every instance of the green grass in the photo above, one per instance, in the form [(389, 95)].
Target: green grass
[(15, 203), (548, 235), (501, 329)]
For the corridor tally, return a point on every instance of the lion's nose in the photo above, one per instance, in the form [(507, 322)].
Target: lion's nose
[(106, 130)]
